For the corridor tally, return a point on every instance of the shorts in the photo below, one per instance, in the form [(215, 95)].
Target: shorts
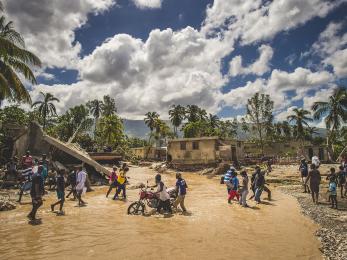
[(314, 188), (60, 195), (304, 178), (27, 186)]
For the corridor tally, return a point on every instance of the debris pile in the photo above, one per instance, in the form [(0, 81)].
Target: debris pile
[(6, 204)]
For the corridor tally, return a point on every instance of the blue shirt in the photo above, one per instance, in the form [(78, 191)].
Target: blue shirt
[(332, 188), (182, 186), (235, 182)]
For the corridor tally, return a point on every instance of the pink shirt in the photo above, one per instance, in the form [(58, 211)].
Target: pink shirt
[(113, 176)]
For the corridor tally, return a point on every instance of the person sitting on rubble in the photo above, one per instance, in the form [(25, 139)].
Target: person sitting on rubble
[(11, 168)]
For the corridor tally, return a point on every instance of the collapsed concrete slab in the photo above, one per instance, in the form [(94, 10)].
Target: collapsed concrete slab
[(67, 154)]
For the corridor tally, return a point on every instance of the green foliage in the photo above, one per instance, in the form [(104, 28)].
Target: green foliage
[(46, 107), (259, 113), (177, 115), (110, 131), (14, 60), (13, 114), (108, 106), (135, 142)]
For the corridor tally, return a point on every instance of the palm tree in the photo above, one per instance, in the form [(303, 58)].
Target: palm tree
[(213, 121), (14, 58), (335, 113), (192, 113), (151, 121), (95, 108), (177, 114), (301, 119), (108, 106), (111, 129), (46, 107)]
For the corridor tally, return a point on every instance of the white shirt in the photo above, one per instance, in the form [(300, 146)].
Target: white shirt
[(81, 179), (163, 195)]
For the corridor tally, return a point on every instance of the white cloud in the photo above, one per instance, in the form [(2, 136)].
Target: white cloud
[(259, 67), (280, 83), (148, 3), (331, 47), (48, 26), (282, 116), (253, 21), (170, 67)]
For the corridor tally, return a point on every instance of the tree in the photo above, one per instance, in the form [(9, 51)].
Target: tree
[(111, 130), (151, 122), (213, 121), (95, 108), (177, 114), (227, 129), (46, 107), (259, 112), (14, 58), (196, 129), (335, 113), (108, 106), (300, 118), (193, 113)]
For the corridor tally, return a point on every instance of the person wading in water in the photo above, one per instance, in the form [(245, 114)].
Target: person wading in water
[(60, 192), (80, 186), (113, 181), (36, 193)]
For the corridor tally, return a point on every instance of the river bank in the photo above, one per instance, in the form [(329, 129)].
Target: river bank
[(212, 229)]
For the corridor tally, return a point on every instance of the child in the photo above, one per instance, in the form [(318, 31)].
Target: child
[(181, 189), (333, 192), (341, 179), (113, 180), (121, 183), (330, 176), (234, 188), (60, 192)]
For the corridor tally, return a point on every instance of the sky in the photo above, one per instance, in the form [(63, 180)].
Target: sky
[(151, 54)]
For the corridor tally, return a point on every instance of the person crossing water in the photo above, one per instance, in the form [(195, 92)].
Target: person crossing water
[(113, 180), (60, 192), (80, 185), (36, 193)]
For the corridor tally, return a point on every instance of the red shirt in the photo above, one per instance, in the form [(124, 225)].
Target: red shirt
[(113, 176), (27, 161)]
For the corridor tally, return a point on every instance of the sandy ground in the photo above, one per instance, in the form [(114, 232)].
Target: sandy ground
[(212, 229)]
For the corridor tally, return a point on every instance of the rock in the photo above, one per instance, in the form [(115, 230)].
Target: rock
[(207, 171), (6, 205), (221, 169)]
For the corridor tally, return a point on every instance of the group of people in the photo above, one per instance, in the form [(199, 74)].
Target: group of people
[(34, 175), (118, 180), (311, 180), (240, 190)]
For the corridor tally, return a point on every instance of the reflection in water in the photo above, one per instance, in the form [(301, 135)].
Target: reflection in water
[(212, 229)]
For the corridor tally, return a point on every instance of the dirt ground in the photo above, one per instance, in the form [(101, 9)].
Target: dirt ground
[(212, 229)]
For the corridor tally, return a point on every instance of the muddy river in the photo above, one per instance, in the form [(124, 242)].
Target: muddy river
[(212, 230)]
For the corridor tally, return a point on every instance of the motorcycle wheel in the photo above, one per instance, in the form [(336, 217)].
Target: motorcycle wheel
[(136, 208)]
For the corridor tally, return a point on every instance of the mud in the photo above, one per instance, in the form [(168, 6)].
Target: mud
[(212, 229)]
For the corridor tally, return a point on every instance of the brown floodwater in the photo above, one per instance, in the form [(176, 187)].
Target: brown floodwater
[(212, 230)]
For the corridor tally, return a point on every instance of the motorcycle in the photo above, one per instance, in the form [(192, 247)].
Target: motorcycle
[(150, 199)]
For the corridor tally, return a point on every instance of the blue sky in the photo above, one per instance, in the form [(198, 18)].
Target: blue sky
[(150, 54)]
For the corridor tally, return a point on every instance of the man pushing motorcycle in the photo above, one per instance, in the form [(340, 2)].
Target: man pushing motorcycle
[(164, 196)]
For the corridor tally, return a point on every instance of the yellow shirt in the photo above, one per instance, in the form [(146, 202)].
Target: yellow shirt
[(121, 177)]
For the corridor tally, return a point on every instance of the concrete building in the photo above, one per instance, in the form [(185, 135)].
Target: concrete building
[(203, 150), (152, 153), (286, 149)]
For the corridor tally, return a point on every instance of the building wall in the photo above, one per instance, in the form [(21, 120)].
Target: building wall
[(205, 154), (152, 153)]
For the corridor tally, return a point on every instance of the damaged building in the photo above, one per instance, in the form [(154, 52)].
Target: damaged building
[(61, 154)]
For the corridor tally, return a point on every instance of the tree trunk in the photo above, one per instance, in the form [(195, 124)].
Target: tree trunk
[(330, 151), (344, 149)]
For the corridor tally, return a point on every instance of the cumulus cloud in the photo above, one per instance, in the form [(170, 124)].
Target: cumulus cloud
[(143, 4), (48, 26), (331, 47), (170, 67), (253, 21), (280, 83), (259, 67)]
